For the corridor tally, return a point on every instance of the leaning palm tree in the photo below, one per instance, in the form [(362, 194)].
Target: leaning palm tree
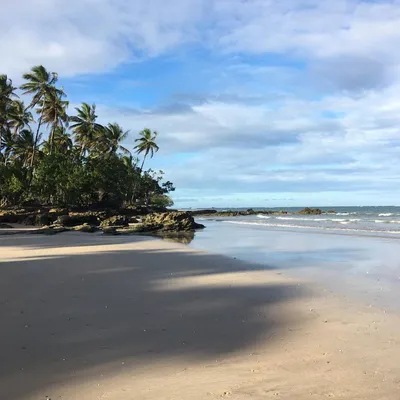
[(54, 112), (112, 136), (85, 127), (19, 116), (146, 144), (39, 83)]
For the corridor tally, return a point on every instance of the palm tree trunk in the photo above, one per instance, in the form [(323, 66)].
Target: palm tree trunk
[(144, 159), (34, 151), (35, 143)]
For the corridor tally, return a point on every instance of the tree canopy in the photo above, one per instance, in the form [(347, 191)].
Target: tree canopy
[(50, 157)]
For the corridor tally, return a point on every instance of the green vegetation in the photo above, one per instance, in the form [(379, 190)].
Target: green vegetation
[(49, 157)]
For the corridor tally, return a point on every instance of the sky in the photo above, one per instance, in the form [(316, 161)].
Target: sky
[(258, 103)]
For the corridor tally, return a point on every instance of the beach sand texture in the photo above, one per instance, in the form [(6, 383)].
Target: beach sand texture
[(91, 317)]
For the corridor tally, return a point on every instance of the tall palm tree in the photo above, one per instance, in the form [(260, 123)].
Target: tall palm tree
[(39, 83), (6, 98), (85, 127), (24, 149), (18, 116), (54, 112), (112, 136), (146, 144)]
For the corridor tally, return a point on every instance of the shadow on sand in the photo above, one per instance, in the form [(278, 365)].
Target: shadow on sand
[(64, 315)]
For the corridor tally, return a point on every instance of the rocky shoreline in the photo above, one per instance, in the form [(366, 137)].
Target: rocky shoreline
[(121, 222), (130, 221), (232, 213)]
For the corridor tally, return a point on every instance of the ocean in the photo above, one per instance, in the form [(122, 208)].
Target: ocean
[(381, 221), (354, 252)]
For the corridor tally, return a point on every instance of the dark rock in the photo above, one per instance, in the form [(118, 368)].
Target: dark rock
[(30, 220), (51, 229), (140, 228), (78, 219), (202, 212), (58, 211), (85, 228), (14, 217), (117, 220), (43, 219), (311, 211)]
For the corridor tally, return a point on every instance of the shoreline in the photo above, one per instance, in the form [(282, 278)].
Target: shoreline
[(318, 231), (121, 317)]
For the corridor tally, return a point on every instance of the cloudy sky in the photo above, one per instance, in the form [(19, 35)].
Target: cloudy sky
[(257, 102)]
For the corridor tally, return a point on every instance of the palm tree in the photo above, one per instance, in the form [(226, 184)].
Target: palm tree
[(6, 98), (6, 91), (54, 112), (24, 149), (112, 136), (39, 83), (146, 144), (7, 143), (85, 127), (18, 116), (62, 141)]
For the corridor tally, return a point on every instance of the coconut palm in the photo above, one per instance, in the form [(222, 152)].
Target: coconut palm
[(146, 144), (24, 149), (112, 136), (39, 83), (7, 144), (54, 112), (6, 98), (85, 127), (62, 141), (18, 116)]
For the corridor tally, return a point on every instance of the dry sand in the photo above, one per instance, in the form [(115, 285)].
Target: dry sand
[(90, 317)]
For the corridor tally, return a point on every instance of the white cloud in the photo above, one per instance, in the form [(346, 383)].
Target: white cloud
[(90, 35), (276, 145), (81, 36)]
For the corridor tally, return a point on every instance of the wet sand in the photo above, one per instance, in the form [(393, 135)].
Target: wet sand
[(363, 267), (91, 317)]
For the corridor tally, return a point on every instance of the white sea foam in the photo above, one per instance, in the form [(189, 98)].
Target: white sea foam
[(304, 219), (263, 216), (372, 231), (385, 215)]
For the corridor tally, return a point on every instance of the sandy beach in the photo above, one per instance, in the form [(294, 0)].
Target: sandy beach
[(91, 317)]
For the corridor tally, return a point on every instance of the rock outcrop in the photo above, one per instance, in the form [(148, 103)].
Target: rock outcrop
[(117, 220), (85, 228), (311, 211), (78, 219), (173, 221)]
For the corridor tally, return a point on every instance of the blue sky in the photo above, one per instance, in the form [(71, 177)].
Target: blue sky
[(257, 102)]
